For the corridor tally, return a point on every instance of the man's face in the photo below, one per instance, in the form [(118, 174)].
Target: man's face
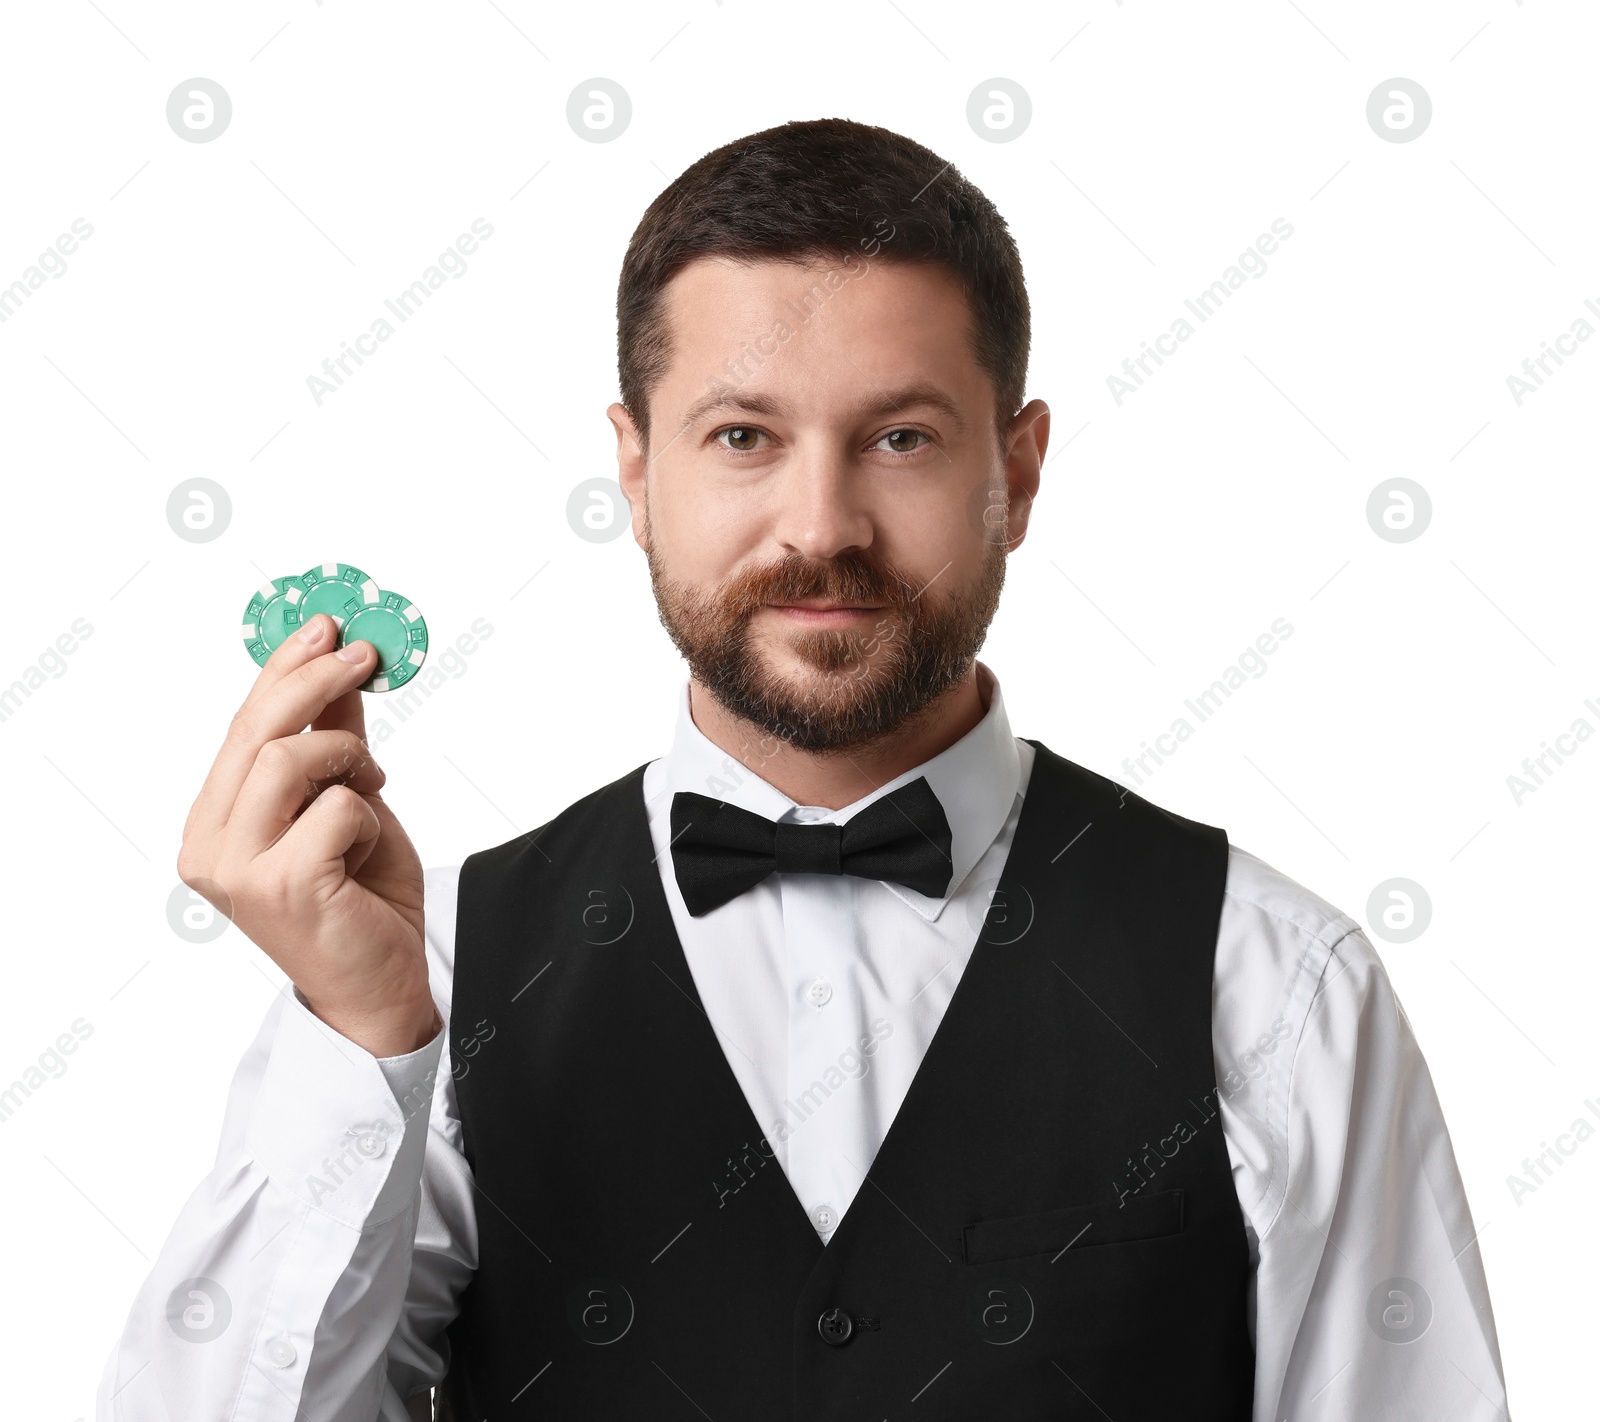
[(839, 460)]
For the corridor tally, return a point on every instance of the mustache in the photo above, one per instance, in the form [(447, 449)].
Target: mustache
[(850, 578)]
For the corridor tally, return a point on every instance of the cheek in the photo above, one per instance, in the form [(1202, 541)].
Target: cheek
[(948, 524), (697, 543), (944, 562)]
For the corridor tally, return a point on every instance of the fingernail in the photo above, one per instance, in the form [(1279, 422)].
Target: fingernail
[(352, 652), (312, 631)]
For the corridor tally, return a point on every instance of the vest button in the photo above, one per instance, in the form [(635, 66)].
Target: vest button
[(835, 1327)]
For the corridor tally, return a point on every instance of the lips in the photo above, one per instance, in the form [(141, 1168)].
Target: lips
[(823, 615), (826, 606)]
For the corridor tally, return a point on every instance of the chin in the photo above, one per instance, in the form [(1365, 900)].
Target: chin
[(790, 663)]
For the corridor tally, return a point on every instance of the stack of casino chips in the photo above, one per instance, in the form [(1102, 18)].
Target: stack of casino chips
[(360, 609)]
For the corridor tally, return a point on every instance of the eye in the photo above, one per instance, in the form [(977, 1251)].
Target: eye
[(902, 434), (743, 438)]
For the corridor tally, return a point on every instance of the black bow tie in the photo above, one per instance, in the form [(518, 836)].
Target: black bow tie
[(720, 850)]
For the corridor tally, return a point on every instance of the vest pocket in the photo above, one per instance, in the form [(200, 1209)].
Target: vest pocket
[(1075, 1227)]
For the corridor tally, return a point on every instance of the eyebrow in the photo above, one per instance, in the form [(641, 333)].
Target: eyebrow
[(888, 402)]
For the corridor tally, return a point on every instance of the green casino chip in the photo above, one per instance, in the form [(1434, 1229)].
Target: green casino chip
[(273, 613), (337, 589), (397, 630)]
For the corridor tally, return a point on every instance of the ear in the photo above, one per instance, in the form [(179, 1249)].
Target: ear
[(1025, 447), (630, 466)]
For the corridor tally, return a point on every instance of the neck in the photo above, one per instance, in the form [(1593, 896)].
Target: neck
[(834, 779)]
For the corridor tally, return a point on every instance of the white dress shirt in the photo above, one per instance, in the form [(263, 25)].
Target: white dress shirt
[(308, 1274)]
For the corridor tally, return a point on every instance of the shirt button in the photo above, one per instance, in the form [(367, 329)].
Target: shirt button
[(835, 1326), (819, 992), (370, 1142), (824, 1218), (280, 1352)]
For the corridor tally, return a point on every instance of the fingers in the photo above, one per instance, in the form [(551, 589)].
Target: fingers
[(280, 705), (311, 855), (285, 772), (387, 865), (319, 635), (344, 713)]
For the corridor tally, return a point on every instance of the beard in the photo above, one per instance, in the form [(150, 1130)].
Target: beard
[(856, 687)]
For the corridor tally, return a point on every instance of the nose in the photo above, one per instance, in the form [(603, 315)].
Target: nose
[(821, 512)]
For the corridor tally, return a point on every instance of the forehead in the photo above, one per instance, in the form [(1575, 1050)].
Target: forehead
[(820, 325)]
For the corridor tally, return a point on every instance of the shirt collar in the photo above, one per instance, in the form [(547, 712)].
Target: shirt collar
[(976, 780)]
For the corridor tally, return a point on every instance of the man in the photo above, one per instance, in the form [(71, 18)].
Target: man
[(856, 1057)]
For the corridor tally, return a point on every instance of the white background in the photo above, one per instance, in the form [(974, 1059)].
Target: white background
[(1169, 533)]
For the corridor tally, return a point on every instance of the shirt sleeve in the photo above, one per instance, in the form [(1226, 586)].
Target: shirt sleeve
[(1371, 1295), (308, 1274)]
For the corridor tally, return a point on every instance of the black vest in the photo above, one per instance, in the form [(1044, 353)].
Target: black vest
[(1049, 1230)]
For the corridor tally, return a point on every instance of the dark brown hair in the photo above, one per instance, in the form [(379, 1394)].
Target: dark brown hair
[(824, 188)]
